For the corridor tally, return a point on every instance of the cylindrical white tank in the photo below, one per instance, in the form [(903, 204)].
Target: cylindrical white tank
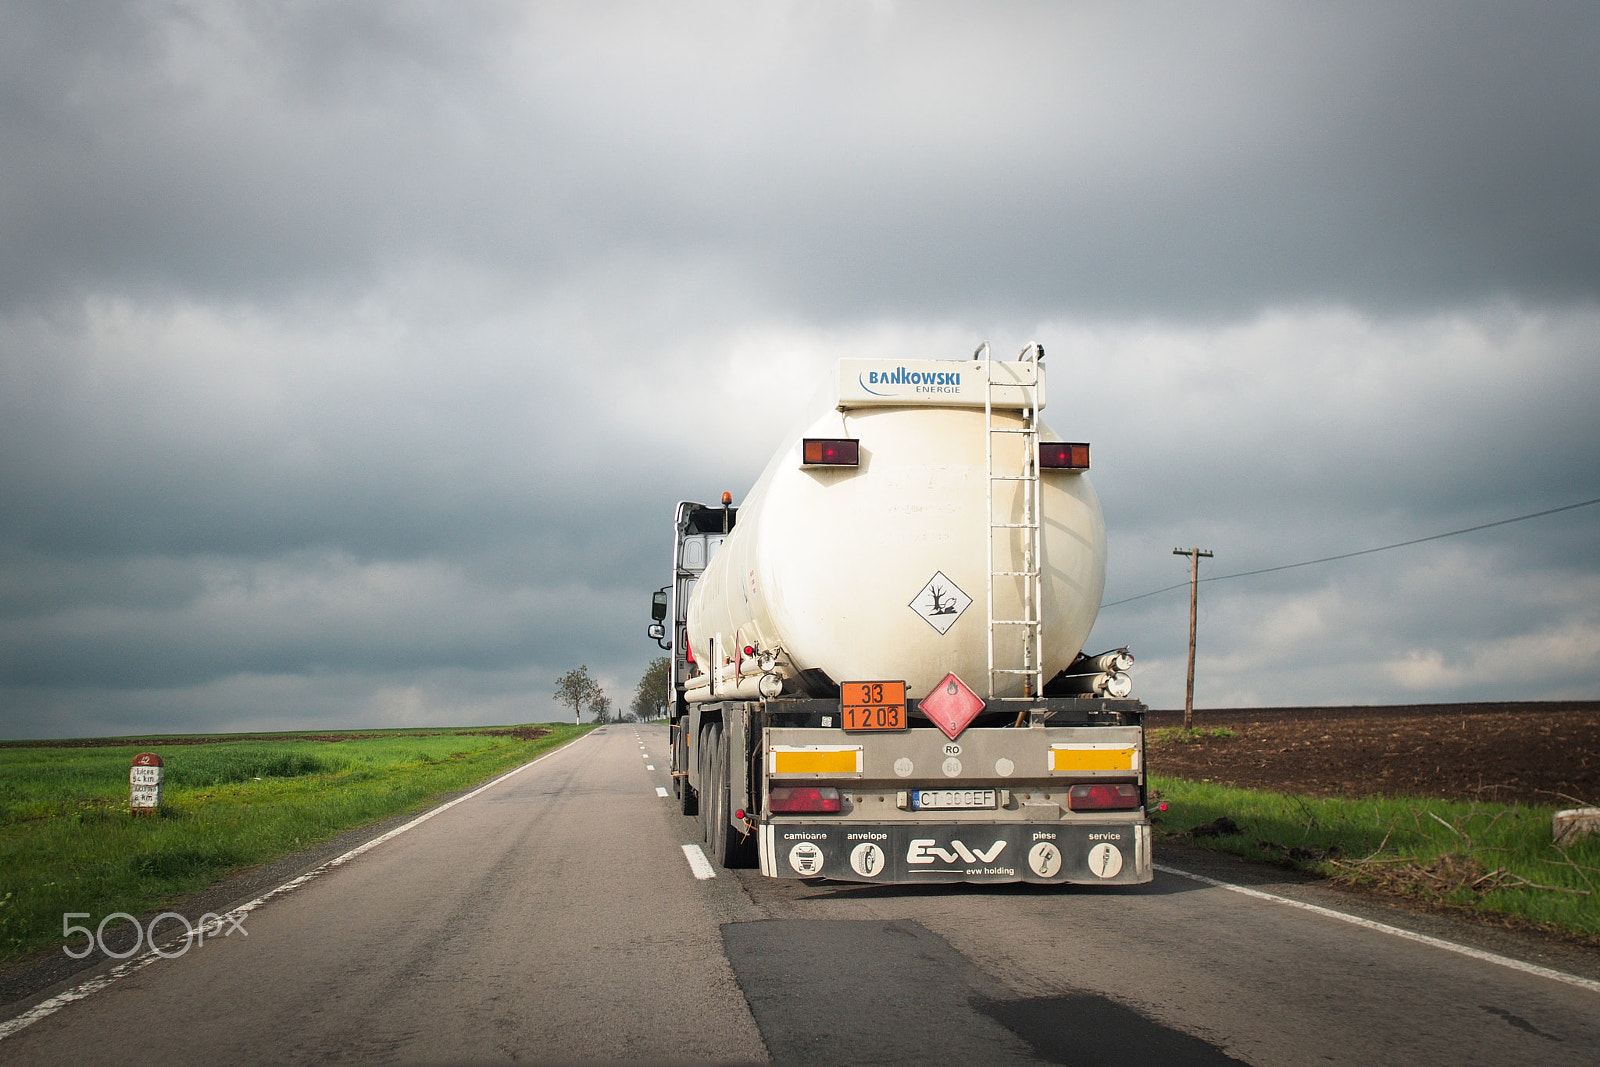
[(879, 572)]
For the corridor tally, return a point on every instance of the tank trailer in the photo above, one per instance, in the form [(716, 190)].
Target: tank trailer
[(876, 657)]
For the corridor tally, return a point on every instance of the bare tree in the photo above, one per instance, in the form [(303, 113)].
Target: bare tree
[(600, 704), (577, 688)]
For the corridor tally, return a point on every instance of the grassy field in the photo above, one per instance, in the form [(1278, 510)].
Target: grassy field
[(1488, 857), (1191, 735), (69, 844)]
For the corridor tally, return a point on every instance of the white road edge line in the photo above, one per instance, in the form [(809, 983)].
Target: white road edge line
[(661, 790), (1395, 931), (698, 863), (46, 1008)]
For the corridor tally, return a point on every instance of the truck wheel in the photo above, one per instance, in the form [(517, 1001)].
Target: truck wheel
[(688, 800), (708, 750), (674, 763), (730, 848)]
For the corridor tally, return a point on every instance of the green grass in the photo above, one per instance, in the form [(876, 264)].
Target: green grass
[(1188, 736), (69, 844), (1486, 857)]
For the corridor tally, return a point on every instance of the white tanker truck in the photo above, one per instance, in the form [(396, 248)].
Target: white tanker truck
[(876, 668)]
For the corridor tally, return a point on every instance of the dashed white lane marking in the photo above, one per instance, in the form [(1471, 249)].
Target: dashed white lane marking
[(649, 766), (698, 862), (1395, 931), (661, 791), (46, 1008)]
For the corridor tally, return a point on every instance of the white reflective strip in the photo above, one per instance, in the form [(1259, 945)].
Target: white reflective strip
[(698, 863), (661, 791), (1395, 931), (767, 846)]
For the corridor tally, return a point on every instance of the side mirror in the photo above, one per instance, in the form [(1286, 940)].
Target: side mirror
[(658, 605), (657, 631)]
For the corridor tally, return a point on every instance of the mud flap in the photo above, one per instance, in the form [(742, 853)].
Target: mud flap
[(1082, 853)]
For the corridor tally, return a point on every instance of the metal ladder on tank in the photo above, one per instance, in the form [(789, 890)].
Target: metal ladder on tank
[(1031, 574)]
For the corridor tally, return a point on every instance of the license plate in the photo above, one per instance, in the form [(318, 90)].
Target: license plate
[(873, 705), (946, 799)]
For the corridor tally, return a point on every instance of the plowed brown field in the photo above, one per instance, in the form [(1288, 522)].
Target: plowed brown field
[(1535, 753)]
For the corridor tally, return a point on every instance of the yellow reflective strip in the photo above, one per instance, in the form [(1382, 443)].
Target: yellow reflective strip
[(843, 761), (1091, 759)]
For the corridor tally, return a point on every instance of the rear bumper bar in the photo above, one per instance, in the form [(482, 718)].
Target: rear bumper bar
[(1083, 853)]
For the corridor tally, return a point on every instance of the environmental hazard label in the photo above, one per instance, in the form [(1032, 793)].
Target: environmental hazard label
[(941, 602)]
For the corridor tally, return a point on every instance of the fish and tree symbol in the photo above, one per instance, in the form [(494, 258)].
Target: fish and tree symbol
[(940, 602)]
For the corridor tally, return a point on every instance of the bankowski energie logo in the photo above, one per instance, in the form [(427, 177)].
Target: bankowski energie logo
[(923, 381)]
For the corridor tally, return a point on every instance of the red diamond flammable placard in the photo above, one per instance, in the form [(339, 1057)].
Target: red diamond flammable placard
[(951, 705)]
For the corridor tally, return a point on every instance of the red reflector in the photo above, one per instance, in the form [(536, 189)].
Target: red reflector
[(1103, 797), (831, 452), (804, 798), (1064, 455)]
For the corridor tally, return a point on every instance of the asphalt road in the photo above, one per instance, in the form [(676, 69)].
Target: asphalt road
[(555, 917)]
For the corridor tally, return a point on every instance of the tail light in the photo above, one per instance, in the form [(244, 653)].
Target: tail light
[(804, 798), (1064, 455), (830, 452), (1119, 797)]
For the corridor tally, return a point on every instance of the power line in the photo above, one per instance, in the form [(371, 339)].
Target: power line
[(1362, 552), (1141, 596)]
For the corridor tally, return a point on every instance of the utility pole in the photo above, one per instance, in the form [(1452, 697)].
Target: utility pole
[(1194, 555)]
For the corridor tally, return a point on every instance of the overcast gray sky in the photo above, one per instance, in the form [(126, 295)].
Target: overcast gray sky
[(352, 355)]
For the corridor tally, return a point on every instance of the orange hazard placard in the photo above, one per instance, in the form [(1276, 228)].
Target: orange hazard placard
[(873, 705)]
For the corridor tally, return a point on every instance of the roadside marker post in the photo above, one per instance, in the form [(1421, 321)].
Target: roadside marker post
[(144, 783)]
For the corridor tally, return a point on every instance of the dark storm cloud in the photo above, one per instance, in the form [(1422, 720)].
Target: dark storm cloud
[(345, 347), (853, 161), (1371, 434)]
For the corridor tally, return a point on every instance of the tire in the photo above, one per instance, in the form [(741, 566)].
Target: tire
[(730, 848), (688, 799), (703, 764), (675, 763)]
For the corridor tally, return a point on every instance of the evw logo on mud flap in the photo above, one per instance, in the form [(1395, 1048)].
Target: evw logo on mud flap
[(924, 850)]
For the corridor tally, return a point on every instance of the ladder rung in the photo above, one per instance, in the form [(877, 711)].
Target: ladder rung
[(1033, 532)]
